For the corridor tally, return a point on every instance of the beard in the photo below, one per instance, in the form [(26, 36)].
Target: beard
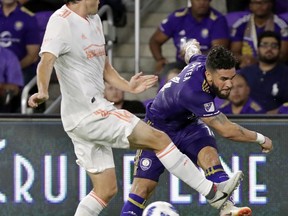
[(266, 60), (218, 93), (239, 103)]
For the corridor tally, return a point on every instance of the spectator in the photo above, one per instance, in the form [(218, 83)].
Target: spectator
[(11, 81), (239, 101), (19, 33), (116, 96), (200, 22), (268, 79), (246, 29), (280, 6)]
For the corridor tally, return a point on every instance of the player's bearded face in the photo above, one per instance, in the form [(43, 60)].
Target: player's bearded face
[(220, 92), (221, 82)]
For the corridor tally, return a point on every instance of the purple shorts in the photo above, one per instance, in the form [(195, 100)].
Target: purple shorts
[(190, 140)]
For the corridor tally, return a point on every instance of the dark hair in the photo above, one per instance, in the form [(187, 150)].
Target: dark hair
[(220, 58), (269, 34)]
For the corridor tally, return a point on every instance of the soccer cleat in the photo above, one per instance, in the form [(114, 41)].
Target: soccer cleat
[(225, 189), (230, 210)]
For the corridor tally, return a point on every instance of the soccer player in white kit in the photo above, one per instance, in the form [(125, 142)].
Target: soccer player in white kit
[(74, 44)]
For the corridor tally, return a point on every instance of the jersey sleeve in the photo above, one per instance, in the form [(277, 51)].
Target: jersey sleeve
[(56, 37), (198, 102), (167, 25)]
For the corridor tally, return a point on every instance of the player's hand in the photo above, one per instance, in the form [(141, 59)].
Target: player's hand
[(36, 99), (190, 49), (139, 83), (267, 146)]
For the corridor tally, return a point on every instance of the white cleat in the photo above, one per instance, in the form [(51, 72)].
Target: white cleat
[(225, 189), (230, 210)]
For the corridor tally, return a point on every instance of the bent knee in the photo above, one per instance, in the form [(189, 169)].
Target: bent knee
[(106, 193)]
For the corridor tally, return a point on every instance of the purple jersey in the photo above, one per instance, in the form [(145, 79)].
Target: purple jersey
[(184, 98), (182, 25), (18, 30), (250, 107), (176, 110), (269, 89), (249, 46), (10, 69)]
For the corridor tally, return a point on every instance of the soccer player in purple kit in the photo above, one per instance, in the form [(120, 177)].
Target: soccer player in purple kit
[(184, 109)]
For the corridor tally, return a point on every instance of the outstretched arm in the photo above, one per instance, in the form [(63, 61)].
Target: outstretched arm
[(44, 71), (137, 84), (222, 125)]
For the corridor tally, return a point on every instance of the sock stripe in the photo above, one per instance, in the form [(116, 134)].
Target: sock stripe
[(212, 171), (103, 203), (165, 151), (136, 203)]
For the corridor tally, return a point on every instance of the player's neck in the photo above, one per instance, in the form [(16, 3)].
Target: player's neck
[(237, 109), (261, 21), (9, 8), (78, 8), (266, 67)]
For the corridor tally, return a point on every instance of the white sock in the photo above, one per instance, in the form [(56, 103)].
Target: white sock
[(181, 166), (90, 205)]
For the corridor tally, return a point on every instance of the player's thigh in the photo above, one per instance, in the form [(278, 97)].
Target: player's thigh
[(147, 137), (110, 128), (94, 158), (197, 142), (147, 171)]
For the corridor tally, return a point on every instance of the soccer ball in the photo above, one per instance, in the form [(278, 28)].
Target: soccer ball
[(160, 208)]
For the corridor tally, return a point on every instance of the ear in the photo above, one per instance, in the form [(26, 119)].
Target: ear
[(208, 75)]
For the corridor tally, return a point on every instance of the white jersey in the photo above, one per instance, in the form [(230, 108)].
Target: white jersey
[(79, 46)]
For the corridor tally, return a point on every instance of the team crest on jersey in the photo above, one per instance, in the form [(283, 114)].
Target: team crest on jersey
[(145, 163), (204, 33), (209, 107), (18, 25)]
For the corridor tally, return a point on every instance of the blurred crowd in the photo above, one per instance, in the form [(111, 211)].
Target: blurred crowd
[(256, 31)]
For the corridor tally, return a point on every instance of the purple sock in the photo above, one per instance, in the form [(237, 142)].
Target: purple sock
[(134, 206), (217, 174)]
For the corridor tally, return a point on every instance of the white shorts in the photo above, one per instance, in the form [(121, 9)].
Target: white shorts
[(96, 135)]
